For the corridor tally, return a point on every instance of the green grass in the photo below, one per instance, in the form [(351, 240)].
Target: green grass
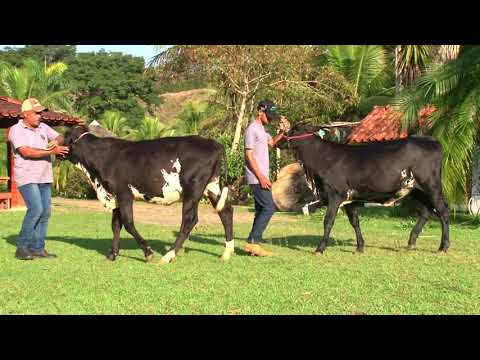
[(385, 280)]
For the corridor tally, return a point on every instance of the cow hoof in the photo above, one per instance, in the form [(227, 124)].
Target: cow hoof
[(318, 253), (411, 247), (226, 257), (111, 257), (359, 251), (166, 261), (149, 258), (442, 252)]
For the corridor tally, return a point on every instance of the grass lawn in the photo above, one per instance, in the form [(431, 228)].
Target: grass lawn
[(387, 279)]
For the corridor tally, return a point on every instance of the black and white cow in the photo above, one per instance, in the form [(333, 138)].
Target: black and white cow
[(160, 171), (383, 172)]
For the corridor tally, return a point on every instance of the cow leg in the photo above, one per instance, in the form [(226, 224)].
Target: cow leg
[(424, 212), (189, 220), (126, 211), (333, 204), (352, 212), (441, 210), (116, 228), (226, 216)]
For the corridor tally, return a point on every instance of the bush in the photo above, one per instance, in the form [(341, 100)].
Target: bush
[(77, 187)]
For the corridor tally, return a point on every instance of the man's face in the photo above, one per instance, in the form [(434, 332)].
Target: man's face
[(264, 118), (32, 118)]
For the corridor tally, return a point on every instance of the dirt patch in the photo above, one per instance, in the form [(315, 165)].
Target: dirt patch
[(162, 215)]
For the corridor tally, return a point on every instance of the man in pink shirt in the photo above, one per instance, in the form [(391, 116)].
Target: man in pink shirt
[(34, 176), (257, 169)]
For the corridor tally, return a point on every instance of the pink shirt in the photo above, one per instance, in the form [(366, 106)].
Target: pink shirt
[(31, 171), (256, 138)]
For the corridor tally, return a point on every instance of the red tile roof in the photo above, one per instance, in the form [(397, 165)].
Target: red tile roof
[(11, 111), (384, 124)]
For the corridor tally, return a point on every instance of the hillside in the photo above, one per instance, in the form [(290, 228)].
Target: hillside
[(172, 103)]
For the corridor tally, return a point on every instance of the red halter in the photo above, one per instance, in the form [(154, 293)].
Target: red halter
[(300, 137)]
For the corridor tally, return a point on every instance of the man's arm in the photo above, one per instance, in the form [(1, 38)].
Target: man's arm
[(33, 153), (265, 183), (274, 141)]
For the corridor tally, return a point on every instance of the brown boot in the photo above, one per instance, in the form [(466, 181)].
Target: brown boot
[(257, 250)]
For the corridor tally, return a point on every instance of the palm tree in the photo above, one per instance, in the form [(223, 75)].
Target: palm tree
[(410, 61), (448, 52), (454, 89), (152, 128), (117, 124), (46, 83), (365, 66), (191, 117)]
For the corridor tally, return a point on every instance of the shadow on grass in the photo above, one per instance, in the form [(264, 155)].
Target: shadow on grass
[(386, 213), (300, 242), (160, 247)]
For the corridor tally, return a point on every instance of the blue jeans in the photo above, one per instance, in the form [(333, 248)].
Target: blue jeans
[(264, 210), (34, 228)]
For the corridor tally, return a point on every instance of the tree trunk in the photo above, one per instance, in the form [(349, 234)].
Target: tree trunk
[(448, 52), (398, 75), (277, 162), (238, 127), (474, 202)]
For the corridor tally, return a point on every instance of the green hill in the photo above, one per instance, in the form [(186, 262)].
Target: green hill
[(173, 103)]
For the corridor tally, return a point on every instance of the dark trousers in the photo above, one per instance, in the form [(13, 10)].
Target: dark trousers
[(264, 210)]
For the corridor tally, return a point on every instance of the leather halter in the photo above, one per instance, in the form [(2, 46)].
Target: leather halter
[(85, 133)]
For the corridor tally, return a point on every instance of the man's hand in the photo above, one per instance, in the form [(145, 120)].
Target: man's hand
[(60, 150), (284, 124), (265, 183)]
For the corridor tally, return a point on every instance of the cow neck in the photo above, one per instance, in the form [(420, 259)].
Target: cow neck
[(92, 159), (315, 154)]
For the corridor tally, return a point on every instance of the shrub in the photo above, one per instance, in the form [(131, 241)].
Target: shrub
[(77, 187)]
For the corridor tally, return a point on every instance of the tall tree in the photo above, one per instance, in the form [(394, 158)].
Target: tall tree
[(47, 84), (410, 61), (42, 53), (453, 88), (241, 72), (366, 67), (111, 81)]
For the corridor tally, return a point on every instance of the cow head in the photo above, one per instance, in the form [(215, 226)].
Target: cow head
[(72, 135), (298, 130)]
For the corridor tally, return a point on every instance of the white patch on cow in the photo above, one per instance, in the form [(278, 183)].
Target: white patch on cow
[(171, 190), (348, 200), (229, 250), (305, 209), (223, 199), (406, 186), (214, 188), (108, 200), (168, 257), (136, 194)]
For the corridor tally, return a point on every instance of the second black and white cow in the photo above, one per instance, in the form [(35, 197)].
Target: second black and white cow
[(161, 171), (383, 172)]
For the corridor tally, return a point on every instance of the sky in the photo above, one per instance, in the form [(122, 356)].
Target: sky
[(147, 51)]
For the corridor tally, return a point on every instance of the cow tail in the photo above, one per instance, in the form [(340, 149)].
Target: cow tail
[(224, 195)]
